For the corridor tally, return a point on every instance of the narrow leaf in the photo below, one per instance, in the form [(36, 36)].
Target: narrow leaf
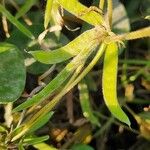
[(25, 8), (81, 147), (48, 16), (41, 122), (109, 82), (15, 22), (57, 81), (91, 83), (44, 146), (145, 32), (20, 146), (5, 46), (12, 73), (77, 61), (3, 129), (35, 140), (35, 125), (51, 87), (85, 103), (84, 41), (141, 33), (75, 7), (56, 18)]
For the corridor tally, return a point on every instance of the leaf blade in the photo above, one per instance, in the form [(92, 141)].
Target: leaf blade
[(15, 22), (47, 15), (76, 8), (41, 122), (86, 40), (109, 82), (35, 140), (57, 81), (11, 82)]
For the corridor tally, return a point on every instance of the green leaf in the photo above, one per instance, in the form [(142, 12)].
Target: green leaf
[(41, 122), (35, 125), (20, 146), (25, 8), (45, 93), (48, 16), (109, 83), (85, 103), (12, 73), (84, 41), (57, 81), (37, 68), (51, 87), (15, 22), (91, 83), (43, 146), (5, 47), (2, 129), (81, 11), (81, 147), (34, 140)]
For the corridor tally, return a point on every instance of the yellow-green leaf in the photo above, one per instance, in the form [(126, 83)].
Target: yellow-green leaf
[(87, 40), (109, 83), (75, 7), (47, 16), (57, 81), (41, 146), (31, 140)]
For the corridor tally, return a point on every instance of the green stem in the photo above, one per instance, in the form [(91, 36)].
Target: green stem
[(90, 66), (110, 11), (116, 122), (104, 127), (79, 59), (57, 98), (51, 104)]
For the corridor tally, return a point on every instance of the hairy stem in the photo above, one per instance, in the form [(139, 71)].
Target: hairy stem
[(145, 32), (101, 4), (110, 11)]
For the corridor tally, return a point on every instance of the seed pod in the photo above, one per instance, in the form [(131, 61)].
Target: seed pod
[(109, 83)]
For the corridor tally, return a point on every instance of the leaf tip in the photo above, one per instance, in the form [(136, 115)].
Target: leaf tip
[(125, 120), (128, 122), (14, 110)]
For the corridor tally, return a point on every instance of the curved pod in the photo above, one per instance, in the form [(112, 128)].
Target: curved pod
[(109, 83)]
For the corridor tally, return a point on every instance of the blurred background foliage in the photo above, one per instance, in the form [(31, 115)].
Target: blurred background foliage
[(69, 126)]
